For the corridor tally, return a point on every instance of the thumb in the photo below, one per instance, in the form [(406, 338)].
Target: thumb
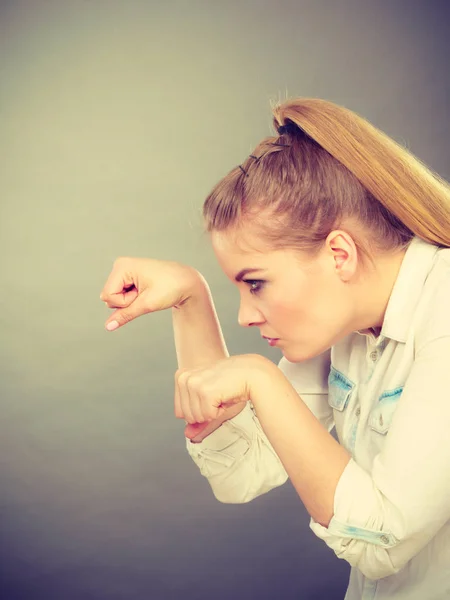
[(124, 315), (194, 429)]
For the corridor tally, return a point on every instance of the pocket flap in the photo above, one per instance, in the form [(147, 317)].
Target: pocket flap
[(381, 416), (340, 388)]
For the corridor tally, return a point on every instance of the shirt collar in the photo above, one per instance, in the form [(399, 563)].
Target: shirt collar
[(403, 301)]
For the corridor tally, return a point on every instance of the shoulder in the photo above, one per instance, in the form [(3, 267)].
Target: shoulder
[(433, 315)]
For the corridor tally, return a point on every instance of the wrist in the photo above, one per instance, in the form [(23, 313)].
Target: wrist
[(194, 286), (265, 374)]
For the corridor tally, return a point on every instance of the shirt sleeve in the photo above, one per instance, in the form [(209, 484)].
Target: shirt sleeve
[(237, 458), (384, 518)]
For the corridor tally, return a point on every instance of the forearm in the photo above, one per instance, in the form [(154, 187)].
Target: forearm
[(313, 459), (197, 332), (199, 340)]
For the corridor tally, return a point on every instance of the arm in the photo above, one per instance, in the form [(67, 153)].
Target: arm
[(313, 459), (383, 519), (238, 459)]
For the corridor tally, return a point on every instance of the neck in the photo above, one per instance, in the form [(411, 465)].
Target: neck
[(376, 289)]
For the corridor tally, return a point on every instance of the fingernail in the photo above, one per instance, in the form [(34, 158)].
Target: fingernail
[(113, 325)]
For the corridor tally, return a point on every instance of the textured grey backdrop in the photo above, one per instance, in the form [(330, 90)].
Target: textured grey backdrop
[(117, 117)]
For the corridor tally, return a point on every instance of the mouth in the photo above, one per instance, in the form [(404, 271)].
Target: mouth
[(271, 341)]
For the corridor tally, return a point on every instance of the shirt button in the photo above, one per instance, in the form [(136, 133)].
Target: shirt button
[(358, 411), (373, 355), (384, 539), (381, 420)]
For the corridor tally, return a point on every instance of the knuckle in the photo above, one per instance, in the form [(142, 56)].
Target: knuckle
[(194, 382), (188, 417), (204, 390), (182, 376)]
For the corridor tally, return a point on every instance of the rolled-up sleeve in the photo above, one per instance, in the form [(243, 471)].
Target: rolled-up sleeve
[(238, 459), (384, 518)]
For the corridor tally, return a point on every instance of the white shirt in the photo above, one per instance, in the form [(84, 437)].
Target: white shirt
[(389, 399)]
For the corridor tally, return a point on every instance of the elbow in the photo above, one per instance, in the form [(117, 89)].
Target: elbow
[(230, 499), (242, 494), (237, 496), (227, 491)]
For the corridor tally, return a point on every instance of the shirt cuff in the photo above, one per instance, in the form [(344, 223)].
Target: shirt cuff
[(234, 436), (359, 513)]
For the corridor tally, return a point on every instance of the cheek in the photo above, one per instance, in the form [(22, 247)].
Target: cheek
[(303, 314), (301, 304), (286, 311)]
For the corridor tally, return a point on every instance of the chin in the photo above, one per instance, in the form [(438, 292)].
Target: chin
[(301, 354), (294, 357)]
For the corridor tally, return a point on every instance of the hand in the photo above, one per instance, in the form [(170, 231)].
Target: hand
[(137, 286), (202, 395)]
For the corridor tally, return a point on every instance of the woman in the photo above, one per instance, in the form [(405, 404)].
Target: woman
[(337, 239)]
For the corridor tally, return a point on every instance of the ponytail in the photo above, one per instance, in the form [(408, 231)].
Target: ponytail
[(406, 188)]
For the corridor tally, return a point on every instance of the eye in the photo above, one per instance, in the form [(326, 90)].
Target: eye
[(256, 285)]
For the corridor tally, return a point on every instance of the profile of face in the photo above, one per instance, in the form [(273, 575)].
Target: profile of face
[(306, 303)]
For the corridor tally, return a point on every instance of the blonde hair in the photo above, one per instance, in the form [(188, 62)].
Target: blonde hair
[(330, 167)]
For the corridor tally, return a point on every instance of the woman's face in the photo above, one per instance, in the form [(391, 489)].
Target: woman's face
[(307, 304)]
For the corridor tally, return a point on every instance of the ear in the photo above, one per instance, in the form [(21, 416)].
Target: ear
[(344, 253)]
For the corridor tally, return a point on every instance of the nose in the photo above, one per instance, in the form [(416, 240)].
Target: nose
[(249, 316)]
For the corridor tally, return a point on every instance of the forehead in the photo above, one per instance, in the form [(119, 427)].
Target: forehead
[(235, 244), (243, 250)]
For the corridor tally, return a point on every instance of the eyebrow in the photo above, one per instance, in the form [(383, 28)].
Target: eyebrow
[(245, 272)]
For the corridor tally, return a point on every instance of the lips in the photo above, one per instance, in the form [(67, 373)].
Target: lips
[(271, 341)]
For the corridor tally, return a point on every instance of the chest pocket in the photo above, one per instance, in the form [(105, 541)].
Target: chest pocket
[(340, 389), (381, 416)]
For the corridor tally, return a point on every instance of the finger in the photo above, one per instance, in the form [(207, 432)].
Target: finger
[(124, 315), (119, 283), (193, 431), (178, 410), (209, 399), (185, 402), (123, 299), (196, 403), (120, 299)]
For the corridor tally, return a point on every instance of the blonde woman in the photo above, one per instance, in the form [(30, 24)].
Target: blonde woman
[(338, 241)]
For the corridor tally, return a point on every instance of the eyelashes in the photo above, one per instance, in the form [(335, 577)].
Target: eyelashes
[(256, 285)]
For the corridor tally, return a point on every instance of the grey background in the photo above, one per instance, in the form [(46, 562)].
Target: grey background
[(116, 119)]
